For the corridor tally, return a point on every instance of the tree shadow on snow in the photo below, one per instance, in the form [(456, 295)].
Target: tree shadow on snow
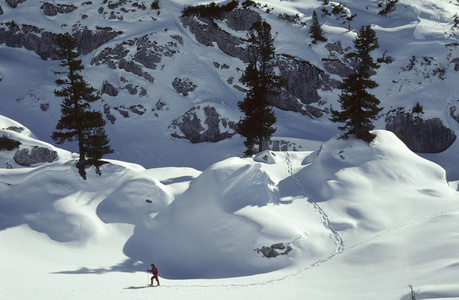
[(127, 266)]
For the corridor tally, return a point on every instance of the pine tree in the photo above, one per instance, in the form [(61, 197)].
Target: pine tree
[(259, 76), (315, 31), (78, 122), (359, 108)]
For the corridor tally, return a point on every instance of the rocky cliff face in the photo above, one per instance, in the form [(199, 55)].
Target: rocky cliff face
[(303, 78), (42, 42), (425, 136)]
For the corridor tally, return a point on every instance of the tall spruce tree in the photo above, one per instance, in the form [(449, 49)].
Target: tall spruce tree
[(359, 107), (257, 125), (315, 31), (78, 122)]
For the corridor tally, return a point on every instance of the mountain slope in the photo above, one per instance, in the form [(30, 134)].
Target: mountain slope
[(135, 55)]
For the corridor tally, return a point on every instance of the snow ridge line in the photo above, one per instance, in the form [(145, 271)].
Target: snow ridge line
[(323, 215)]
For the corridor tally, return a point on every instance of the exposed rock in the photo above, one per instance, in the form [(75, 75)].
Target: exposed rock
[(131, 89), (213, 128), (337, 63), (14, 3), (336, 66), (36, 155), (108, 114), (302, 82), (89, 40), (16, 129), (109, 89), (159, 105), (303, 78), (455, 61), (282, 145), (1, 11), (208, 33), (454, 113), (274, 250), (42, 42), (135, 55), (136, 109), (50, 9), (183, 86), (114, 5), (425, 136), (241, 19), (44, 106), (133, 67)]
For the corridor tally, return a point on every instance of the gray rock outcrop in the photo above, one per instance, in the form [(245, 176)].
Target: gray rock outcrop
[(337, 63), (50, 9), (213, 128), (282, 145), (146, 54), (183, 86), (14, 3), (108, 89), (42, 42), (241, 19), (454, 113), (36, 155), (207, 32), (302, 82), (419, 135)]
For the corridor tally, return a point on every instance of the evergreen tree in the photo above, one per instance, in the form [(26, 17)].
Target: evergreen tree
[(259, 76), (78, 122), (315, 31), (359, 107)]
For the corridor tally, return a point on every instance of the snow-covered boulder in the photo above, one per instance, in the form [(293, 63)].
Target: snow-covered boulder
[(202, 124)]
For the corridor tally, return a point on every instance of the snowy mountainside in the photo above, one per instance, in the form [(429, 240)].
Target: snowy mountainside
[(136, 55), (347, 208)]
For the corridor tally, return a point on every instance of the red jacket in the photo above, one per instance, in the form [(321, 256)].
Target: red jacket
[(154, 271)]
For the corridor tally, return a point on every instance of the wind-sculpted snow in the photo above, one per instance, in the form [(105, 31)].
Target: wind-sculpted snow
[(348, 208), (201, 235)]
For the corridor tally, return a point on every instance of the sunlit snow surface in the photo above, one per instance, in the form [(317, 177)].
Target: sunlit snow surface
[(364, 222)]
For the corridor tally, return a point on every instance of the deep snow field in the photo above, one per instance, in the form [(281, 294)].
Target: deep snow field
[(363, 222)]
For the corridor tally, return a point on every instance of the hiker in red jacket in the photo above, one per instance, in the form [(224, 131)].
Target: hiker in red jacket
[(155, 273)]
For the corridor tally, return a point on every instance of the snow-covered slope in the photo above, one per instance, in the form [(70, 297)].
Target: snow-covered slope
[(356, 221), (421, 29)]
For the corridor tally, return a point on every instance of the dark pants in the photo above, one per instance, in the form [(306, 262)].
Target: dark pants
[(154, 277)]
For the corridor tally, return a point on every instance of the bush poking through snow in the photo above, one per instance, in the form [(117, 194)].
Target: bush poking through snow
[(8, 144), (413, 293)]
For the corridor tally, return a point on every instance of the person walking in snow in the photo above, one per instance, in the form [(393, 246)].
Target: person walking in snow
[(155, 273)]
